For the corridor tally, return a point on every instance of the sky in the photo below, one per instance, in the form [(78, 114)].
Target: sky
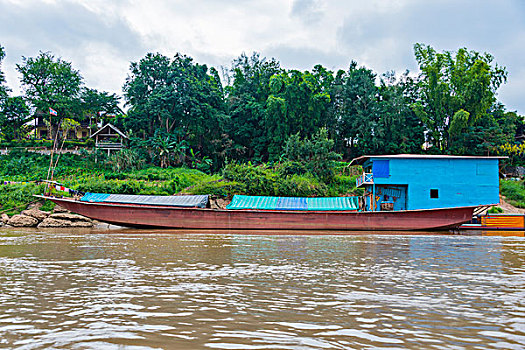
[(102, 37)]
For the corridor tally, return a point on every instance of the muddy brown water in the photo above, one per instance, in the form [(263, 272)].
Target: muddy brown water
[(126, 290)]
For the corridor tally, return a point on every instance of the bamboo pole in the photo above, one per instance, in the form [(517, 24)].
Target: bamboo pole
[(50, 171)]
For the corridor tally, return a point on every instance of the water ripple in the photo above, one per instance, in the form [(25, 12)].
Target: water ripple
[(162, 291)]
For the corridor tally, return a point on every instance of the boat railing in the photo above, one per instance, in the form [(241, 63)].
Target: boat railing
[(365, 179)]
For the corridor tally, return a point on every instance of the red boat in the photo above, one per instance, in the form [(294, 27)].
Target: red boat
[(166, 216)]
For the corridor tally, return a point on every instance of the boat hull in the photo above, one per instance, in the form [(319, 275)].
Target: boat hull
[(498, 222), (210, 219)]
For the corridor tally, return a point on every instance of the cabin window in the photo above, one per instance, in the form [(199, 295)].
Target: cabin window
[(484, 168), (380, 168), (434, 193)]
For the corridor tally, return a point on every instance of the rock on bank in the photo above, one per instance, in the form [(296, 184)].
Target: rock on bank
[(33, 216)]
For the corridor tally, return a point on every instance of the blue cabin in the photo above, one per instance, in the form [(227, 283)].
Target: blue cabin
[(408, 182)]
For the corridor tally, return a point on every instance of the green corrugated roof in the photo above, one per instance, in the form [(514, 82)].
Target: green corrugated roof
[(253, 202), (293, 203), (333, 203)]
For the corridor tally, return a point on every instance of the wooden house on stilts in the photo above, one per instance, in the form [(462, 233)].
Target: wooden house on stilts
[(109, 138)]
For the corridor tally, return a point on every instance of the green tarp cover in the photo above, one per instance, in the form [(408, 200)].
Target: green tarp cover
[(333, 203), (293, 203), (253, 202)]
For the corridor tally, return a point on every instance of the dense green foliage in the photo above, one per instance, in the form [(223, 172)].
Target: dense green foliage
[(15, 198), (260, 128), (449, 108), (458, 104), (174, 102), (275, 181), (50, 82), (313, 155), (13, 119), (181, 113), (495, 210), (514, 191), (80, 172)]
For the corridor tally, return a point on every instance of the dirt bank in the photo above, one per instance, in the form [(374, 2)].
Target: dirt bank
[(509, 208)]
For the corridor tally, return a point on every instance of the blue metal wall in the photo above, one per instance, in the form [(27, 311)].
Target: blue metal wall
[(459, 181)]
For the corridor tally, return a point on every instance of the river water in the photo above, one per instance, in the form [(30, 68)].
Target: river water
[(125, 290)]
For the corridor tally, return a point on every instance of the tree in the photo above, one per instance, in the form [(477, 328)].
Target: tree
[(246, 97), (99, 105), (315, 152), (14, 114), (181, 97), (508, 122), (163, 145), (3, 88), (299, 102), (398, 129), (356, 109), (251, 76), (144, 87), (51, 83), (497, 128), (450, 82)]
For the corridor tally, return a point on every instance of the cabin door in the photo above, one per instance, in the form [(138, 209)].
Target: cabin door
[(391, 197)]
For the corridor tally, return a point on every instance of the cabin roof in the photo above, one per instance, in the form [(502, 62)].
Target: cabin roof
[(112, 127), (363, 159)]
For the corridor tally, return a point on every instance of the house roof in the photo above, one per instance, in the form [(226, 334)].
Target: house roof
[(363, 159), (112, 127)]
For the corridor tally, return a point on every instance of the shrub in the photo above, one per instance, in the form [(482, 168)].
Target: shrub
[(225, 189), (514, 192), (343, 185), (316, 153), (97, 185), (495, 210), (128, 186), (291, 168), (125, 160), (287, 179), (258, 180), (301, 186), (15, 197)]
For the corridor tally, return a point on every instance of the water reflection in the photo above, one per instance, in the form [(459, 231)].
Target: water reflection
[(514, 233), (92, 290)]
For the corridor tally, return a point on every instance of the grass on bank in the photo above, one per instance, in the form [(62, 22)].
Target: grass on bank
[(81, 173), (514, 192)]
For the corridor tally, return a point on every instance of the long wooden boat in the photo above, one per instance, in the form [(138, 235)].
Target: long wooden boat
[(159, 216)]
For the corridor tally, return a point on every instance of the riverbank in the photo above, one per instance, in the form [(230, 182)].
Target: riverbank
[(508, 208), (33, 216), (20, 175)]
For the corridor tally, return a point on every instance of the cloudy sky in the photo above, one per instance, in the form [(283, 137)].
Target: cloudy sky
[(101, 37)]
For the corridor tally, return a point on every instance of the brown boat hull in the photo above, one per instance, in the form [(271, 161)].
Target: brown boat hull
[(210, 219)]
